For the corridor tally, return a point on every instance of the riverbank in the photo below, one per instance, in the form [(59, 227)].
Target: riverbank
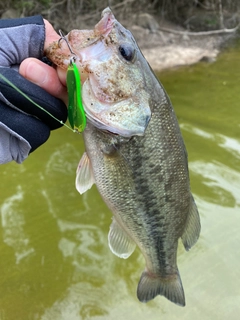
[(166, 49), (164, 44)]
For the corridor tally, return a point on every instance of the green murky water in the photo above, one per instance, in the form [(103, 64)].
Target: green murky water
[(54, 259)]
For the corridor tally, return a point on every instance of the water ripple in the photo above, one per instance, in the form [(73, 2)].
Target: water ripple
[(13, 222)]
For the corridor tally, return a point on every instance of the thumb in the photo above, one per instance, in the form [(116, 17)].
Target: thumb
[(44, 76)]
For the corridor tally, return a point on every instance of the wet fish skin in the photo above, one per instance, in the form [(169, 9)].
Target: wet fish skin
[(145, 183), (143, 178)]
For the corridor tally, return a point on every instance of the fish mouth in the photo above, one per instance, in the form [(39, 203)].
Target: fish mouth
[(126, 118), (109, 105)]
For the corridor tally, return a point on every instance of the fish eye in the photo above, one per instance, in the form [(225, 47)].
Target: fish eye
[(127, 52)]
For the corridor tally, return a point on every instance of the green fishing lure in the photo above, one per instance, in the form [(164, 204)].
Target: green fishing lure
[(76, 114)]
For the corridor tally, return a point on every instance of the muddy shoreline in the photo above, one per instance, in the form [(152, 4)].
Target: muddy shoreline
[(165, 50)]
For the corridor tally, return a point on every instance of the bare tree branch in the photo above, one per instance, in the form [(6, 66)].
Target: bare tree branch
[(200, 33)]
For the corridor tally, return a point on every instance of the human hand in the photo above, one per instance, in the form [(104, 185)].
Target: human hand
[(50, 79), (23, 126)]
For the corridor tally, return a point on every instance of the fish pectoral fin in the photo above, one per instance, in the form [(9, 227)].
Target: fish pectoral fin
[(84, 175), (151, 285), (192, 228), (119, 241)]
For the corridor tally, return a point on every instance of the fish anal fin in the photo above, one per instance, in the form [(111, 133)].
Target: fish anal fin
[(84, 175), (119, 241), (192, 228), (170, 287)]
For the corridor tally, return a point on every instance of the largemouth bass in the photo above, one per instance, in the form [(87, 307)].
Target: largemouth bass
[(134, 153)]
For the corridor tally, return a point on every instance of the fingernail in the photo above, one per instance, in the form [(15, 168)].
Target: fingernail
[(36, 73)]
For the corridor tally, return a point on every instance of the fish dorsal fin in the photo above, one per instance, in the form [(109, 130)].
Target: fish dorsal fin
[(84, 175), (119, 241), (192, 228)]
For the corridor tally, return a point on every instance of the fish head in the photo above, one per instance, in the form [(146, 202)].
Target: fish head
[(114, 91)]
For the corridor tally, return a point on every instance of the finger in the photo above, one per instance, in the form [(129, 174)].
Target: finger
[(51, 34), (44, 76), (62, 74), (28, 96)]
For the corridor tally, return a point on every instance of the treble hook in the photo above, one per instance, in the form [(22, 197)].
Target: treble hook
[(73, 58)]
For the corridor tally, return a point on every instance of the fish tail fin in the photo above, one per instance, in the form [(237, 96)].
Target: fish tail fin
[(170, 287)]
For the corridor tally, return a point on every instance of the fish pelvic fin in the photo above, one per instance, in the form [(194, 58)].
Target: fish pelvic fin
[(84, 175), (119, 241), (192, 228), (151, 285)]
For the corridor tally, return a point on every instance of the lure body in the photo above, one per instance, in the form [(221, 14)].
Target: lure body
[(76, 114)]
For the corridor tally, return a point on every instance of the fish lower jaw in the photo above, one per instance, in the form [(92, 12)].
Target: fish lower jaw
[(108, 128), (122, 117)]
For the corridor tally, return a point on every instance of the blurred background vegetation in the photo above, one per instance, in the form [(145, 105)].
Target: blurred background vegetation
[(194, 15)]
